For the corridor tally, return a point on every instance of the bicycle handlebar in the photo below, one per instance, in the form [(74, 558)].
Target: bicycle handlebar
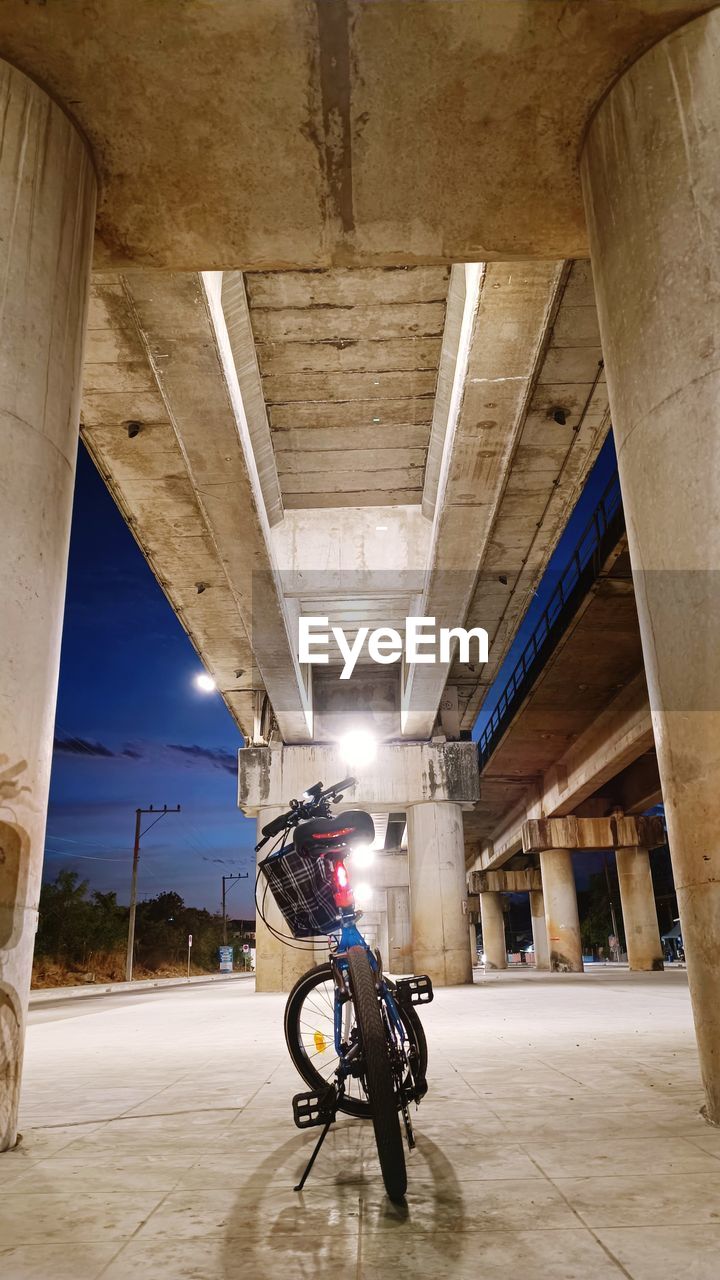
[(301, 810)]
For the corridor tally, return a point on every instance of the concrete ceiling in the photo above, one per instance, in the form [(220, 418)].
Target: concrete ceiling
[(288, 133), (349, 363), (266, 478)]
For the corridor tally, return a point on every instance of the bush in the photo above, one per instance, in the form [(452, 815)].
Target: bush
[(86, 931)]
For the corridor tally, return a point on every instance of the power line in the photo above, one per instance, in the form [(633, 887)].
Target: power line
[(86, 857)]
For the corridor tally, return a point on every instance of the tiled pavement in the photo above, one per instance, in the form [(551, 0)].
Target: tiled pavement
[(560, 1140)]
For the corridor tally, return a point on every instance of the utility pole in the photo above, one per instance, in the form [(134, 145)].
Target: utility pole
[(133, 883), (613, 918), (241, 875)]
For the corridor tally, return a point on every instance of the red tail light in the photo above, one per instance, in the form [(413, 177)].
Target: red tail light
[(343, 893)]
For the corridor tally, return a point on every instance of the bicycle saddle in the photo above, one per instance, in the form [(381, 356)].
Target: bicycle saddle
[(343, 830)]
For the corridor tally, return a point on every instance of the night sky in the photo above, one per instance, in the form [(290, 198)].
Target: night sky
[(132, 730)]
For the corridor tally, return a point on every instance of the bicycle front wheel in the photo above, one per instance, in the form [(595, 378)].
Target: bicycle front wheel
[(378, 1073)]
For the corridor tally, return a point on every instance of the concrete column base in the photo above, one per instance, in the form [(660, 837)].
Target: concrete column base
[(561, 911), (278, 964), (637, 898), (493, 930)]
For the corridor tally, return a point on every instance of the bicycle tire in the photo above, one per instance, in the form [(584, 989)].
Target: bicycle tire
[(303, 988), (378, 1073)]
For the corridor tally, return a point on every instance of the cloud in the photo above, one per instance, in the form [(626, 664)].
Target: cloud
[(81, 747), (86, 747), (218, 757)]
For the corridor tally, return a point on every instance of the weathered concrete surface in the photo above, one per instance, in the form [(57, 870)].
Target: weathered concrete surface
[(492, 920), (187, 480), (637, 899), (438, 895), (548, 462), (505, 881), (552, 1104), (244, 411), (375, 421), (561, 911), (539, 929), (592, 833), (286, 134), (47, 206), (526, 347), (583, 729), (650, 172), (278, 964), (403, 773), (621, 735), (236, 314)]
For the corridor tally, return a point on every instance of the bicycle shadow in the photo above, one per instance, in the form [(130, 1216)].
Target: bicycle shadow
[(343, 1197)]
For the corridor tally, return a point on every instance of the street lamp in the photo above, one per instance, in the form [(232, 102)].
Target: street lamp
[(358, 747)]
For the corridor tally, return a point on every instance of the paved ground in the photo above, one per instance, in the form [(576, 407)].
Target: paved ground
[(560, 1141)]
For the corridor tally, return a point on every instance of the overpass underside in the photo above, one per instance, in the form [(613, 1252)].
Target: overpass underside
[(568, 763), (343, 358), (359, 446)]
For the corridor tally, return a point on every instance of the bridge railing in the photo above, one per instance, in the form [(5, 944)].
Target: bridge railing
[(591, 551)]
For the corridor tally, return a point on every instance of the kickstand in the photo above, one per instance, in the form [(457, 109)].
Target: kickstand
[(314, 1156), (339, 1091)]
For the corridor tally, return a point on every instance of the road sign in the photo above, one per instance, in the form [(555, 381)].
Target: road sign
[(246, 947), (226, 959), (189, 939)]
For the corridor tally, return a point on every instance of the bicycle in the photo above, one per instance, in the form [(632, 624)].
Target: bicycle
[(351, 1030)]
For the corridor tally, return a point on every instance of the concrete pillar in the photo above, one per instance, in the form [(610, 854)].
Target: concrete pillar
[(651, 178), (278, 965), (539, 929), (438, 893), (473, 943), (400, 957), (383, 929), (493, 930), (637, 898), (561, 911), (47, 209)]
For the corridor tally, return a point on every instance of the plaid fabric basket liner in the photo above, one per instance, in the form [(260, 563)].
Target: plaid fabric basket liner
[(302, 887)]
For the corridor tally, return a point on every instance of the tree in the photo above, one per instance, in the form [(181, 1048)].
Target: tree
[(73, 926)]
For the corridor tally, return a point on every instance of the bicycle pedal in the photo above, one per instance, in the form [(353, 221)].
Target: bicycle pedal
[(310, 1109), (415, 990)]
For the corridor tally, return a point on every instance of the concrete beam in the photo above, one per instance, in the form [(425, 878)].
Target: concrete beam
[(190, 475), (285, 134), (403, 773), (615, 739), (242, 344), (497, 326), (505, 881), (565, 422), (540, 834)]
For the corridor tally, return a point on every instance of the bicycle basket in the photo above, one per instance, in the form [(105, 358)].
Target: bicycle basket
[(303, 890)]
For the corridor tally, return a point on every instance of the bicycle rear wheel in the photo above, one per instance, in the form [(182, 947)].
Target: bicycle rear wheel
[(378, 1073)]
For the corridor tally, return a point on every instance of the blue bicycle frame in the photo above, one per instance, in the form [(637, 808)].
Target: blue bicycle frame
[(350, 936)]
